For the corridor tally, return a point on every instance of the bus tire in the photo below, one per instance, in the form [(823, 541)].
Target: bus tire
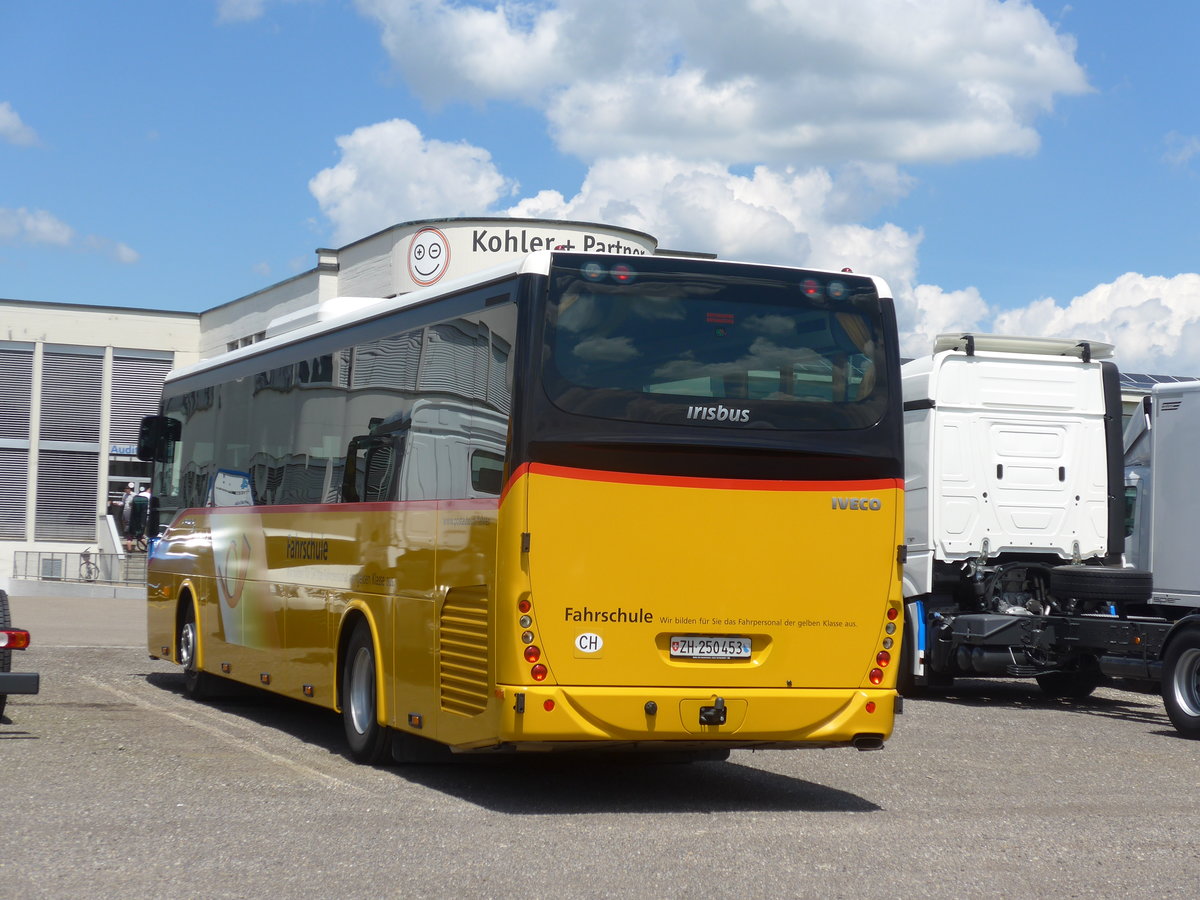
[(1101, 583), (368, 740), (1181, 681), (196, 684)]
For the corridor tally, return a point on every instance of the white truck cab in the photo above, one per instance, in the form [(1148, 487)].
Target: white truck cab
[(1014, 503)]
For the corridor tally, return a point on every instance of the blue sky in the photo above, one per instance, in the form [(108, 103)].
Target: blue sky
[(1023, 167)]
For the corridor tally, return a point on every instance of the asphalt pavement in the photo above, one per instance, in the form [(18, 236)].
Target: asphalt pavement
[(79, 621), (116, 785)]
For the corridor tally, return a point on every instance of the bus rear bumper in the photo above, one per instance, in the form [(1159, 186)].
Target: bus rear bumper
[(738, 717)]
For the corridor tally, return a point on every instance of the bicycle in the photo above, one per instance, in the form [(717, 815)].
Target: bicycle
[(88, 570)]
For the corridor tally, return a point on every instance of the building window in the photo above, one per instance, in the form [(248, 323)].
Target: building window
[(66, 495)]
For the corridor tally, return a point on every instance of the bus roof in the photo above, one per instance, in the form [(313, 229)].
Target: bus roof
[(340, 312)]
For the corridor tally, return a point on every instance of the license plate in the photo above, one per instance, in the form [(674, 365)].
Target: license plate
[(714, 647)]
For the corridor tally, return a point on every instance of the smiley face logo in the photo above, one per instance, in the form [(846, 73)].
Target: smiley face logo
[(428, 256)]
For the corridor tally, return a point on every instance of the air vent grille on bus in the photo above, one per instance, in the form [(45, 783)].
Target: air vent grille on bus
[(463, 651)]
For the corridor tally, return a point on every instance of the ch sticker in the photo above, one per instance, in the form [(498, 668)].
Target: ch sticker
[(588, 644)]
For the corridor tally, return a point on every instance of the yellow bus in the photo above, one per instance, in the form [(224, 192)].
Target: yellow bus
[(575, 502)]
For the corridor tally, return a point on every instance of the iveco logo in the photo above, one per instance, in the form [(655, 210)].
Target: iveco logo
[(857, 503), (718, 414)]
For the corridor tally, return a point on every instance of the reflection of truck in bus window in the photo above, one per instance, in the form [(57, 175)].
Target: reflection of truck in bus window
[(444, 448)]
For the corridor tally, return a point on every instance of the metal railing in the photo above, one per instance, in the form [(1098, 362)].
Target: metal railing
[(80, 566)]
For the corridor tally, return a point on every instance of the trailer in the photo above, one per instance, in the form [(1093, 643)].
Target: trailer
[(1162, 468)]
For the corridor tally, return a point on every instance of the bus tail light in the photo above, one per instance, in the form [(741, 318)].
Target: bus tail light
[(532, 653), (876, 676), (882, 658), (539, 672)]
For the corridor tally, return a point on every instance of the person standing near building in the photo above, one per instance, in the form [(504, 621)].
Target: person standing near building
[(122, 514), (137, 506)]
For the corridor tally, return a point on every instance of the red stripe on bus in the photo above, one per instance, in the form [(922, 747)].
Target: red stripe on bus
[(731, 484), (308, 508)]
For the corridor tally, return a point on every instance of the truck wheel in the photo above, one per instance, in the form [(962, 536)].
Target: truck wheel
[(1181, 681), (368, 739), (5, 655), (1101, 583), (1073, 683)]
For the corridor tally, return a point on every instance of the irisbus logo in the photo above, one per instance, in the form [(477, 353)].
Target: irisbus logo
[(718, 413)]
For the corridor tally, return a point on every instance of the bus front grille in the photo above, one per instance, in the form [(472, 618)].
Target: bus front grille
[(463, 651)]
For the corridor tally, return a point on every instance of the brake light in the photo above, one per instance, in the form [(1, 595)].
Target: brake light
[(876, 676), (532, 653), (882, 658), (539, 672), (623, 274), (13, 639)]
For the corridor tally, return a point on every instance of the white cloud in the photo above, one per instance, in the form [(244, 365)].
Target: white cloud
[(754, 129), (755, 81), (36, 226), (926, 311), (240, 10), (389, 172), (1181, 148), (13, 130), (114, 250), (235, 11), (1154, 321)]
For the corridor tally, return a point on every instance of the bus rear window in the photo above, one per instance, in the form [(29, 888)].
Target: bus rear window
[(724, 348)]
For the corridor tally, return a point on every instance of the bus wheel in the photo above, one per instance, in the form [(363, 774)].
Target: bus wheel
[(368, 739), (1181, 681), (196, 684)]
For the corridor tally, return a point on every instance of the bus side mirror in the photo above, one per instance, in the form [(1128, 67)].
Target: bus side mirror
[(155, 436)]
